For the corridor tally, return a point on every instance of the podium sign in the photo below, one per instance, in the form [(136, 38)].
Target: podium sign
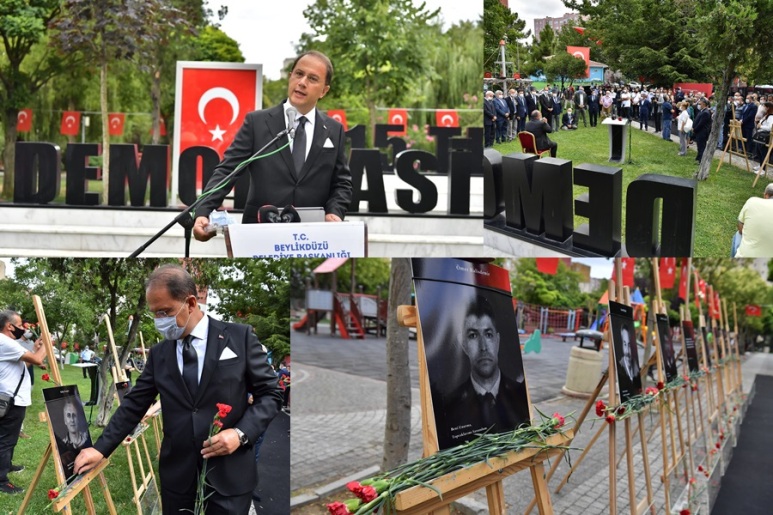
[(325, 239), (617, 133)]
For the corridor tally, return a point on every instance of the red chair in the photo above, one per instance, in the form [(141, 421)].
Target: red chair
[(529, 144)]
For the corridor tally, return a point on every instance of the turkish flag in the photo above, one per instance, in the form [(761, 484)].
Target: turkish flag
[(717, 306), (581, 52), (398, 117), (339, 115), (24, 120), (212, 100), (115, 123), (667, 272), (71, 122), (161, 127), (581, 30), (446, 118), (752, 310), (683, 280), (547, 265), (628, 265)]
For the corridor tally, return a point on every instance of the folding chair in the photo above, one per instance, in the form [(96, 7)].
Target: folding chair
[(529, 144)]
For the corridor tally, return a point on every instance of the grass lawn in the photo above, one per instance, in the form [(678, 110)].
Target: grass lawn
[(29, 452), (720, 198)]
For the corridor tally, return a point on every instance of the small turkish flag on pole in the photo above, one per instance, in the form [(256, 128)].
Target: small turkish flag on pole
[(24, 120), (398, 117), (447, 118), (339, 115), (547, 265), (667, 272), (683, 280), (71, 122), (752, 310), (115, 122)]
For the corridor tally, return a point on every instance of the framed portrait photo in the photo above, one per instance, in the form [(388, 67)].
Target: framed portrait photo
[(473, 352), (625, 351), (68, 421)]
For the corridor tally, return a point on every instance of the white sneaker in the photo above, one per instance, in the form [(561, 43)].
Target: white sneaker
[(756, 169)]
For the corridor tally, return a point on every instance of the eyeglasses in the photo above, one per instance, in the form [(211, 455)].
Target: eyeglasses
[(164, 314)]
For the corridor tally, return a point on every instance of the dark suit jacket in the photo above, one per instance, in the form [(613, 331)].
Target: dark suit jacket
[(187, 421), (569, 120), (489, 112), (324, 181), (540, 130), (702, 125), (465, 411), (532, 103), (520, 106), (510, 106), (593, 103)]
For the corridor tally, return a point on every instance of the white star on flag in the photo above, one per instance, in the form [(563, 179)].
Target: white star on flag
[(217, 133)]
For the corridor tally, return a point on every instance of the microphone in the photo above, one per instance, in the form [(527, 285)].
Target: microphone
[(291, 113), (290, 215), (268, 214)]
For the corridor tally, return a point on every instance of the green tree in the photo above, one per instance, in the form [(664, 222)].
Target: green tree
[(212, 44), (257, 292), (561, 290), (381, 44), (104, 32), (25, 66), (564, 66), (499, 23)]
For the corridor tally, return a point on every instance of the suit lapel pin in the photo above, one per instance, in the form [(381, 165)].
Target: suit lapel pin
[(219, 336)]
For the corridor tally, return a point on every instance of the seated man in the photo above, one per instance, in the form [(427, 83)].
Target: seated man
[(539, 127), (569, 121), (753, 236)]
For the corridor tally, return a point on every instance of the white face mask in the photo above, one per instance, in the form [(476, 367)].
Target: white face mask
[(168, 327), (28, 335)]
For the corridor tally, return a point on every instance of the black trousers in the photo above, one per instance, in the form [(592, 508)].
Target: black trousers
[(10, 425), (174, 503), (594, 117)]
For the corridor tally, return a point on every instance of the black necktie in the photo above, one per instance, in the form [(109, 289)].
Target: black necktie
[(299, 145), (190, 366)]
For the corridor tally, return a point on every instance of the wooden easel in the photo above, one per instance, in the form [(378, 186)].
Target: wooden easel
[(81, 484), (736, 135), (669, 408), (154, 412), (147, 478), (765, 162), (738, 370), (488, 475)]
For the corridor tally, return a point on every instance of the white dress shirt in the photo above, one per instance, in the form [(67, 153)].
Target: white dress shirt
[(311, 118)]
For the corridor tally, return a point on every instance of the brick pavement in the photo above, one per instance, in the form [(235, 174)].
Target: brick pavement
[(339, 415)]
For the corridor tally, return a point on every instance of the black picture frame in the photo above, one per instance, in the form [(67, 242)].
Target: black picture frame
[(625, 351)]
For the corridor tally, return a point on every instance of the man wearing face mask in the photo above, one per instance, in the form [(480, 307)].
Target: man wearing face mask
[(202, 362), (14, 381)]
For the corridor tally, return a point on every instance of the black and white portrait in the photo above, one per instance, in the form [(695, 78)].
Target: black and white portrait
[(688, 333), (473, 351), (666, 347), (625, 351), (65, 411)]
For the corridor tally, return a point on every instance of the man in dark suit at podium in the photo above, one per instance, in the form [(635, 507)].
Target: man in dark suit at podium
[(539, 127), (201, 363), (311, 172)]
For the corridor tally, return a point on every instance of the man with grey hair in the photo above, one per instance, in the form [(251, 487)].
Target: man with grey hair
[(201, 365), (15, 382), (754, 227)]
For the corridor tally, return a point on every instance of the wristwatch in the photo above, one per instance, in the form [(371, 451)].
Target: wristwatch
[(243, 440)]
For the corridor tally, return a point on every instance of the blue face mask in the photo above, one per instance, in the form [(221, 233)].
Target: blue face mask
[(168, 327)]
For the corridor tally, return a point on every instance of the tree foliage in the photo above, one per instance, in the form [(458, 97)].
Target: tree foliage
[(564, 67), (561, 290), (499, 23)]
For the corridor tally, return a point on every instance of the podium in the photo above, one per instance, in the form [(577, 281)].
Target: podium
[(322, 239), (618, 129)]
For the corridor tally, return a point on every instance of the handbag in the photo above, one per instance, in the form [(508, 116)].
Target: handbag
[(761, 136), (6, 401)]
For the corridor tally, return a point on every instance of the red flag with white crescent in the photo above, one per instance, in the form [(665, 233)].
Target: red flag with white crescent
[(547, 265), (581, 52), (398, 117), (212, 100), (71, 122), (447, 118), (753, 310), (115, 123), (24, 120), (339, 115)]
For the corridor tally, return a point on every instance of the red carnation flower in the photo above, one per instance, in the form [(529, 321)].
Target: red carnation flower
[(684, 512), (558, 420), (224, 409), (718, 445), (217, 423), (661, 385), (721, 436), (367, 494), (695, 387), (53, 494), (700, 468), (620, 410), (611, 418), (338, 508), (354, 487), (45, 377), (651, 391), (600, 408)]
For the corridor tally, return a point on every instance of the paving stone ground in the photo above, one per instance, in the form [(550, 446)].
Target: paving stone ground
[(339, 410)]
